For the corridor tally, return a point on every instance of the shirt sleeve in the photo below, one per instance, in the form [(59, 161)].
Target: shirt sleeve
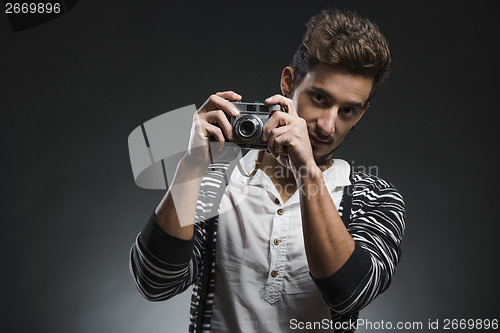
[(377, 227), (161, 264)]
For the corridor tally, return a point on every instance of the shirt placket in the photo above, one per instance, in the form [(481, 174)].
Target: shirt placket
[(278, 243)]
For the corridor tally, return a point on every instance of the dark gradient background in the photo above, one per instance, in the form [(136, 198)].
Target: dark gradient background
[(74, 88)]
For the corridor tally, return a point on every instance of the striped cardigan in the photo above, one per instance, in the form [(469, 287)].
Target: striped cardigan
[(163, 265)]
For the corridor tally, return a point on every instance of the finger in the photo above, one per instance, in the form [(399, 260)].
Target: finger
[(276, 132), (230, 95), (282, 143), (216, 102), (219, 117), (286, 103), (276, 120), (272, 144), (280, 150), (214, 131)]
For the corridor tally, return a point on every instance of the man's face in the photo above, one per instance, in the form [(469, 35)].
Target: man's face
[(331, 101)]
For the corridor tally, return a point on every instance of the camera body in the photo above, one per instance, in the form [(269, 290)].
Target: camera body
[(248, 125)]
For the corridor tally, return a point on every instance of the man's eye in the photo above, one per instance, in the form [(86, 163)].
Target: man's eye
[(348, 111), (318, 98)]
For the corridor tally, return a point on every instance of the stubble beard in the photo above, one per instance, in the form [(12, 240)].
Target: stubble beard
[(324, 159)]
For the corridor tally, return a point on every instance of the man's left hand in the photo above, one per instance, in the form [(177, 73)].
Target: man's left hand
[(288, 138)]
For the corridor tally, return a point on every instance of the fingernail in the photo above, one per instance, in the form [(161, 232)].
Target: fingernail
[(268, 99), (231, 135), (236, 111)]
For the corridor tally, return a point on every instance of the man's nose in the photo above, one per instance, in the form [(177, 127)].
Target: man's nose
[(326, 123)]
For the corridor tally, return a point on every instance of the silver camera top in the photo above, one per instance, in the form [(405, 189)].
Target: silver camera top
[(256, 107)]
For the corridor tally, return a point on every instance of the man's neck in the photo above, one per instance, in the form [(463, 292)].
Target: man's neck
[(282, 178), (275, 170)]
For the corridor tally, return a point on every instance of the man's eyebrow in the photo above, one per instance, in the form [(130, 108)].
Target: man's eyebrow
[(327, 94)]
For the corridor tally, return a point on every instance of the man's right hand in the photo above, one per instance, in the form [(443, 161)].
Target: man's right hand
[(176, 211), (211, 120)]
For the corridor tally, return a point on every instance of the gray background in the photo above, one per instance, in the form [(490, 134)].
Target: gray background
[(74, 88)]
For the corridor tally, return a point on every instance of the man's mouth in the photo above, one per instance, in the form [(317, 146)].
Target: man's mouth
[(315, 141)]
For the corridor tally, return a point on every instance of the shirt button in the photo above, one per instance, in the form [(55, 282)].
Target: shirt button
[(277, 201), (276, 241), (274, 273), (280, 211)]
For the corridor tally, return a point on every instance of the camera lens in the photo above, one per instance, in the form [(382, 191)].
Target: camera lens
[(247, 128)]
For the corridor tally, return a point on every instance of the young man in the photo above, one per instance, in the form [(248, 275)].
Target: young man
[(299, 241)]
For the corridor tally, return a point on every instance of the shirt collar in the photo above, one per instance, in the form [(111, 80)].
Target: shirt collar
[(336, 175), (247, 162)]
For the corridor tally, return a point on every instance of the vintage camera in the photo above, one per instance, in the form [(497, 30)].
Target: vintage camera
[(247, 127)]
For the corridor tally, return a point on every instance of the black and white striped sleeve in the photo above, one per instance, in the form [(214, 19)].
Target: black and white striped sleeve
[(377, 227), (162, 265)]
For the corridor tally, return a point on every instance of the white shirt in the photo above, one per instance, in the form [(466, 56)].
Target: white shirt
[(262, 278)]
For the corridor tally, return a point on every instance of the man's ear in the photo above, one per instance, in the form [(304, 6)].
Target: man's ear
[(287, 81)]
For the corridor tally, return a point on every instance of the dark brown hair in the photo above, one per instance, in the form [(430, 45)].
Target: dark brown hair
[(342, 38)]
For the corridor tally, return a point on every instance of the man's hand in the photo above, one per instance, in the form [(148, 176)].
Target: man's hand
[(211, 120), (176, 211), (288, 138)]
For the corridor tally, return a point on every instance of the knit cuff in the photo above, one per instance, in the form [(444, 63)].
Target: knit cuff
[(165, 247), (345, 282)]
